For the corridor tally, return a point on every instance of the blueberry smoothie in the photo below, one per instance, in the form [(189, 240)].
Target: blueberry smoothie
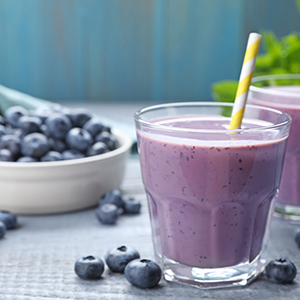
[(210, 200), (290, 103)]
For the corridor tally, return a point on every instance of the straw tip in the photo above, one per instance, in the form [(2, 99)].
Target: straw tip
[(255, 35)]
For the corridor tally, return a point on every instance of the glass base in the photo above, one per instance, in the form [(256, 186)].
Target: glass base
[(287, 212), (209, 278)]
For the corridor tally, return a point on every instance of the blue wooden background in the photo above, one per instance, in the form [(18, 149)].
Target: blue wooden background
[(130, 50)]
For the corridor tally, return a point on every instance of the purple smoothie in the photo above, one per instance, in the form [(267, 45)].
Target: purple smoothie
[(289, 186), (209, 201)]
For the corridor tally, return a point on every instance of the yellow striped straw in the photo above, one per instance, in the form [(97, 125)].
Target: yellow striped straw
[(245, 80)]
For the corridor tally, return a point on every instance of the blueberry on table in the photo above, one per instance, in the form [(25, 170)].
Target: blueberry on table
[(29, 124), (118, 257), (93, 126), (281, 271), (9, 219), (131, 205), (52, 156), (96, 149), (297, 235), (112, 197), (26, 159), (79, 139), (107, 213), (143, 273), (11, 143), (58, 125), (5, 155), (14, 113), (79, 116), (35, 145), (2, 229), (89, 267), (107, 138)]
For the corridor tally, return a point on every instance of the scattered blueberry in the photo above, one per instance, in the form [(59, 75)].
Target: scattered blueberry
[(112, 197), (52, 156), (108, 139), (143, 273), (11, 143), (58, 124), (131, 205), (2, 229), (281, 271), (71, 154), (13, 114), (29, 124), (118, 257), (297, 235), (79, 139), (5, 155), (89, 267), (35, 145), (93, 126), (26, 159), (79, 116), (9, 219), (96, 149), (107, 213)]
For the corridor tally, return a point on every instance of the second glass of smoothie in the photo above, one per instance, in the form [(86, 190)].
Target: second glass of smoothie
[(210, 190), (282, 92)]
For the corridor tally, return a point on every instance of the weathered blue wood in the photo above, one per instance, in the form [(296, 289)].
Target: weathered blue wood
[(130, 50)]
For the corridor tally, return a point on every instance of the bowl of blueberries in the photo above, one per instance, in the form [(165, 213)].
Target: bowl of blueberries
[(55, 160)]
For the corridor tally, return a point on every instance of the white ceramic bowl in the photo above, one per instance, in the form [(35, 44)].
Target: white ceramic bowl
[(62, 186)]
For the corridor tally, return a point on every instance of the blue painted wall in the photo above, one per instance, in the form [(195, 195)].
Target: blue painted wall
[(130, 50)]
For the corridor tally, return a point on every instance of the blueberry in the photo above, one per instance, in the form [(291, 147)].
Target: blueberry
[(112, 197), (52, 156), (281, 271), (9, 219), (297, 236), (143, 273), (57, 145), (58, 124), (13, 114), (79, 139), (107, 213), (2, 121), (2, 229), (96, 149), (5, 155), (11, 143), (2, 130), (79, 116), (108, 139), (29, 124), (71, 154), (89, 267), (93, 126), (131, 205), (35, 145), (26, 159), (118, 257)]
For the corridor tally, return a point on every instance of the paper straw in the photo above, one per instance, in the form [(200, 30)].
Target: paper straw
[(245, 80)]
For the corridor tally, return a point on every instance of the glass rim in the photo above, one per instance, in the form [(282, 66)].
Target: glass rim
[(269, 90), (151, 125)]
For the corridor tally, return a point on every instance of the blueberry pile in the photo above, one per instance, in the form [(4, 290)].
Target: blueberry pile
[(113, 204), (52, 134), (143, 273), (7, 221)]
